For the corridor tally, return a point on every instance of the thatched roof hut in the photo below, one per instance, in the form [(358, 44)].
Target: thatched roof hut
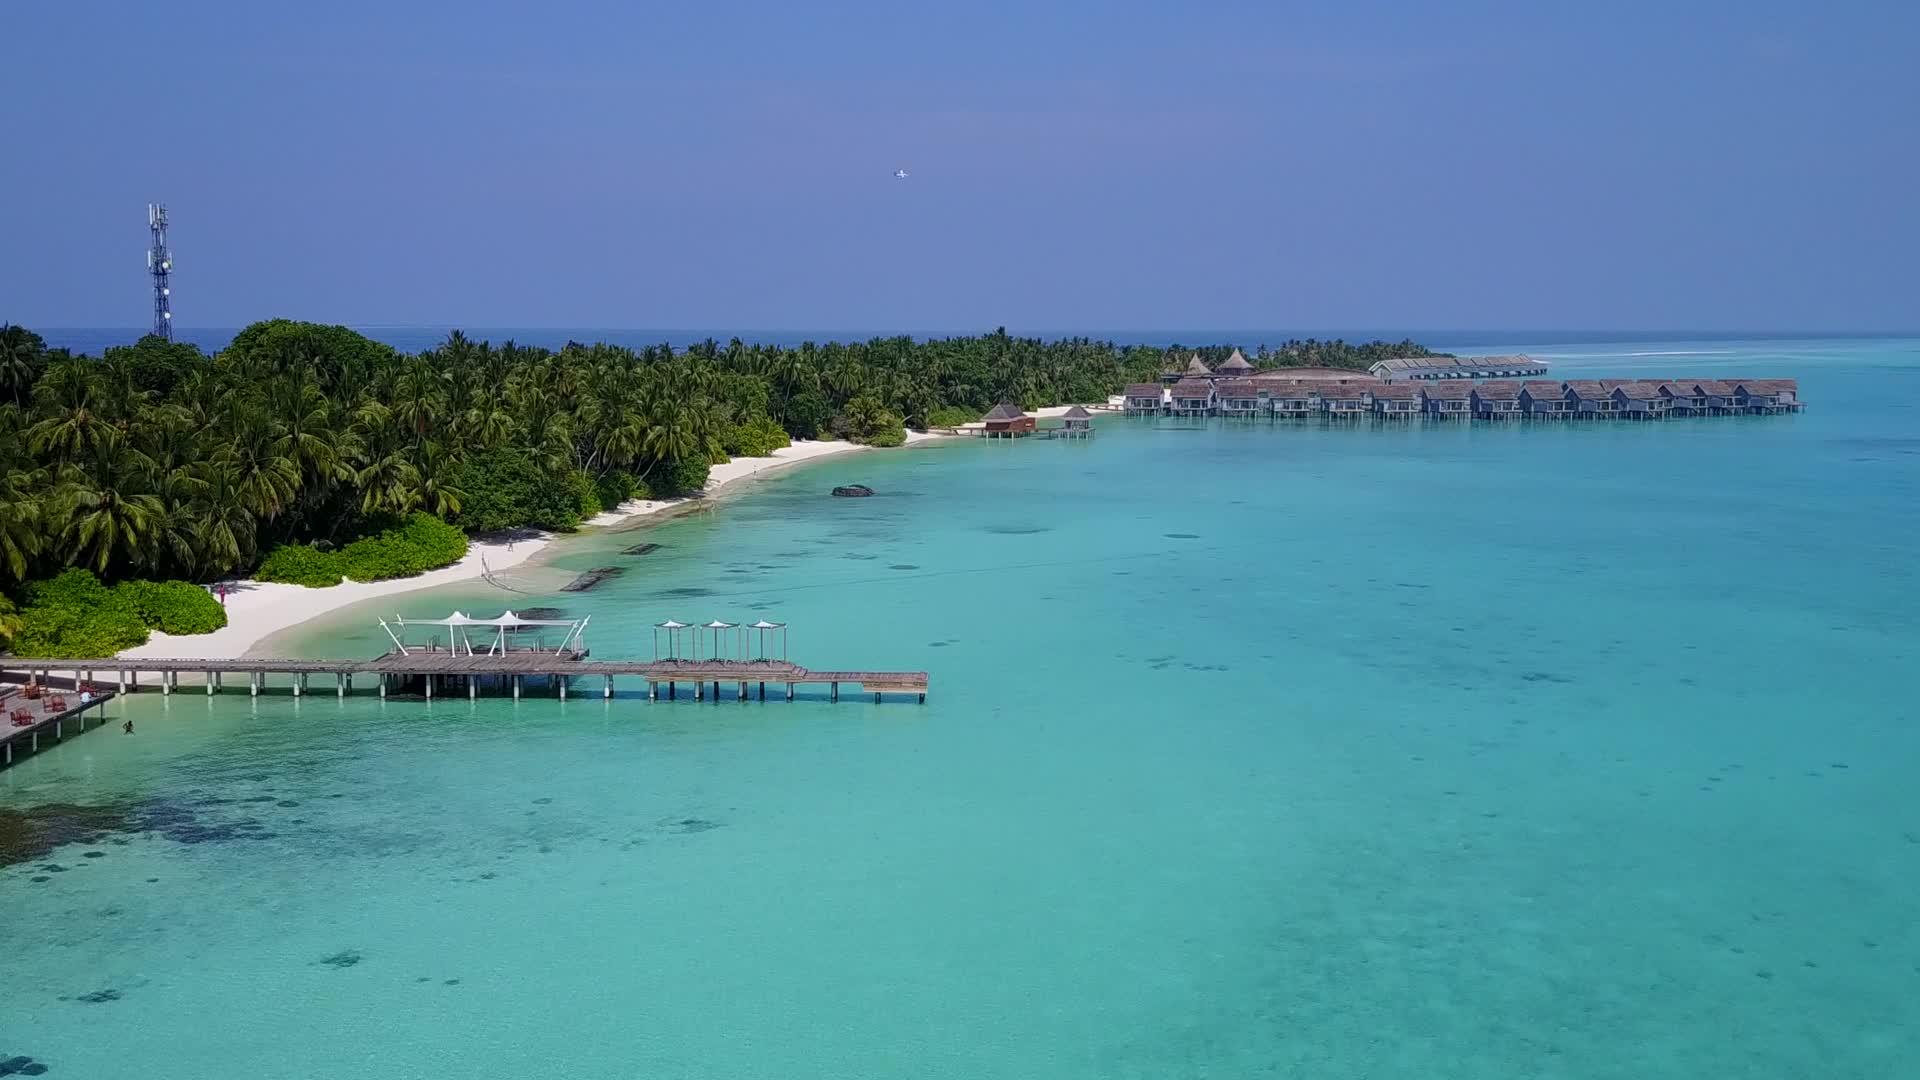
[(1006, 410), (1196, 369), (1235, 365)]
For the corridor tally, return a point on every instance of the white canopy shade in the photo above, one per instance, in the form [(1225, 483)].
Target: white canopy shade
[(670, 624), (765, 625), (506, 620), (718, 625)]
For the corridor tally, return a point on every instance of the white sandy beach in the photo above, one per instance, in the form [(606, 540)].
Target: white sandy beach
[(259, 609)]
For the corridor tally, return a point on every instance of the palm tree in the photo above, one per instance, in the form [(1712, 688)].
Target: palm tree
[(22, 357), (268, 479), (436, 487), (21, 520), (109, 509), (225, 530), (68, 398)]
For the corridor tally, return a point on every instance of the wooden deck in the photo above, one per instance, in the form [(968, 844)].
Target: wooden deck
[(432, 669), (52, 725)]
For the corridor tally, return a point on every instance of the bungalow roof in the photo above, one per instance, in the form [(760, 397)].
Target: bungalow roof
[(1235, 363), (1144, 390), (1543, 388), (1319, 374), (1447, 391), (1395, 392), (1340, 392), (1588, 388), (1639, 391), (1078, 412), (1006, 410), (1236, 388), (1192, 388), (1715, 387), (1197, 369), (1497, 390)]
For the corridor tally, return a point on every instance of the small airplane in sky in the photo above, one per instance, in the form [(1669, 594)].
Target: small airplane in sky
[(899, 174)]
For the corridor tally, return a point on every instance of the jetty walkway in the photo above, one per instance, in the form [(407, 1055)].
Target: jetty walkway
[(425, 672), (23, 719)]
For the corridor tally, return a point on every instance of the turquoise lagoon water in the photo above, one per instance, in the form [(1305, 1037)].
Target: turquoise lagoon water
[(1441, 752)]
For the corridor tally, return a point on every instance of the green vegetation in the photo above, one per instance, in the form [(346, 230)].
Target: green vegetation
[(952, 416), (1309, 353), (74, 615), (423, 542), (303, 444)]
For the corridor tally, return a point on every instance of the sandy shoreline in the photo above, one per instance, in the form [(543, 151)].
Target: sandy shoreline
[(256, 610)]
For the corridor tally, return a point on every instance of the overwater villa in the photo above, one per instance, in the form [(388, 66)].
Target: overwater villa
[(1143, 399), (1448, 401), (1267, 396), (1496, 399), (1192, 397), (1396, 401), (1007, 421), (1543, 399)]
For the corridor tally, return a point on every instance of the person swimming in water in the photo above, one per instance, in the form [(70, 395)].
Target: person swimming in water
[(127, 727)]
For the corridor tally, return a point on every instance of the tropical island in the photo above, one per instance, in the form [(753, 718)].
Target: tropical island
[(311, 454)]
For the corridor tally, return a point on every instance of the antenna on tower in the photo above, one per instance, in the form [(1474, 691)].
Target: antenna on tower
[(160, 264)]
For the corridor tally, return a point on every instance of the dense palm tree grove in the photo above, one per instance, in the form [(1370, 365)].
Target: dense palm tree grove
[(156, 460)]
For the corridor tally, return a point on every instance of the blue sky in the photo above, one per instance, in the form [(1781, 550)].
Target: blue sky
[(1074, 165)]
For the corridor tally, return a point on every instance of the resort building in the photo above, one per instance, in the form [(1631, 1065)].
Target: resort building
[(1541, 399), (1435, 368), (1639, 401), (1589, 398), (1146, 398), (1195, 369), (1444, 388), (1192, 397), (1234, 367), (1006, 421), (1448, 401), (1238, 398), (1317, 374), (1496, 399), (1339, 401), (1288, 398), (1395, 401), (1684, 399), (1717, 395), (1767, 395), (1076, 423)]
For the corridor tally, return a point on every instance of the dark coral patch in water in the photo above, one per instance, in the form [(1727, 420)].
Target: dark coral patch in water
[(1017, 530), (345, 958), (903, 566), (1181, 536), (100, 997), (685, 591)]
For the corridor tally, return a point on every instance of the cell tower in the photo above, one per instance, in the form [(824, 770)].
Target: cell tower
[(160, 264)]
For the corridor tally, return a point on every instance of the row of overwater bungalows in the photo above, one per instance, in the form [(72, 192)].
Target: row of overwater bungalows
[(1492, 399)]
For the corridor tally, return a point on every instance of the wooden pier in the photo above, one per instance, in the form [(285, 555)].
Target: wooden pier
[(439, 671), (49, 715)]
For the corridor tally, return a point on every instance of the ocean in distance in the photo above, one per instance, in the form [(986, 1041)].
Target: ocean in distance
[(1562, 751)]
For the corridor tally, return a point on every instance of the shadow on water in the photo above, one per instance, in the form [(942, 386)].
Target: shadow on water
[(32, 833)]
